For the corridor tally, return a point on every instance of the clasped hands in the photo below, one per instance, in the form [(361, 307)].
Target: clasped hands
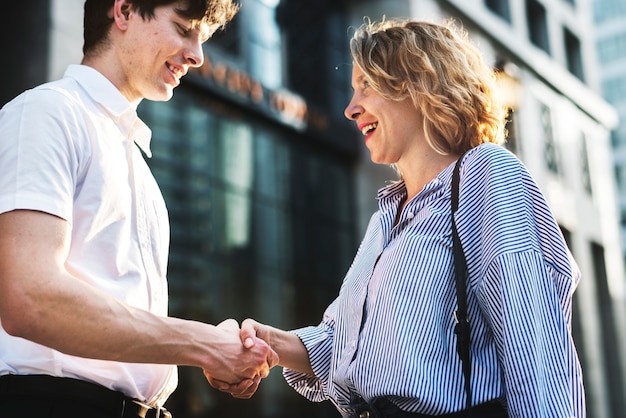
[(240, 371)]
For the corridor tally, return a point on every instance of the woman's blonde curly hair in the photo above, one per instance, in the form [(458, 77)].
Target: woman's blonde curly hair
[(441, 71)]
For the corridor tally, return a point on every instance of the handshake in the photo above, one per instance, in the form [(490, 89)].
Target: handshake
[(245, 357)]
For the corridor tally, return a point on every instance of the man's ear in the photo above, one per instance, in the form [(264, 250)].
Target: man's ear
[(121, 13)]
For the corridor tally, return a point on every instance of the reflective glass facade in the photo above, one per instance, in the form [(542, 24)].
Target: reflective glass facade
[(257, 173), (261, 226)]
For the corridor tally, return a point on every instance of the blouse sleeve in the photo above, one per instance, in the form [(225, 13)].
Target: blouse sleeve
[(524, 278), (519, 297), (318, 343)]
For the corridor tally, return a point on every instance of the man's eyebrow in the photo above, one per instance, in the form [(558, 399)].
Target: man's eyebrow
[(199, 26), (205, 32), (203, 28)]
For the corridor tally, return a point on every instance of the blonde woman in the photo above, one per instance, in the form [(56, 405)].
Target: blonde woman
[(386, 347)]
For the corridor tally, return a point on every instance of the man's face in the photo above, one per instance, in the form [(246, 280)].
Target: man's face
[(155, 53)]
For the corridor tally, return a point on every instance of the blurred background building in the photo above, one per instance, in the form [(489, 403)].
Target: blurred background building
[(269, 187), (610, 31)]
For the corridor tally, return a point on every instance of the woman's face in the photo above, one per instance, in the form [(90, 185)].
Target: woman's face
[(391, 128)]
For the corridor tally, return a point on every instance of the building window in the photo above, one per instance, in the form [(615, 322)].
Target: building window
[(262, 226), (618, 136), (608, 9), (318, 74), (573, 54), (550, 147), (578, 330), (612, 363), (500, 8), (537, 25), (511, 132), (585, 166), (228, 39), (614, 89), (612, 48)]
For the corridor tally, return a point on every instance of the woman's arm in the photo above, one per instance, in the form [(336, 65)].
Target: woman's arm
[(291, 351)]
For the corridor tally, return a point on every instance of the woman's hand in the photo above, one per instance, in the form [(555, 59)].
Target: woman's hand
[(251, 335)]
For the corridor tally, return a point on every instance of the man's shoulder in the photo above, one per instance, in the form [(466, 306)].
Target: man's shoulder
[(54, 97), (65, 89)]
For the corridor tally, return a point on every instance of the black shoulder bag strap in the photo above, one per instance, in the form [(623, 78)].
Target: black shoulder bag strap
[(462, 328)]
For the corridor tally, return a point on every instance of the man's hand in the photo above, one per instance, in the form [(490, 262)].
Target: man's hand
[(244, 384), (251, 337)]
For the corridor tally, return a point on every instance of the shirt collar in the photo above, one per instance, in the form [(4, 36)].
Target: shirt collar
[(123, 113), (397, 189)]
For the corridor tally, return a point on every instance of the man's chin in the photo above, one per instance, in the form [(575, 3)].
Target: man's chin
[(162, 96)]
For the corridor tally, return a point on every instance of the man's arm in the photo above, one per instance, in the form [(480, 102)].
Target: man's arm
[(40, 301)]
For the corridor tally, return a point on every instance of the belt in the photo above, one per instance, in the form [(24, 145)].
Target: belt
[(383, 408), (44, 386)]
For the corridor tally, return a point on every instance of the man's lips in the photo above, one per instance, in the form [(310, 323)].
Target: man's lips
[(177, 72)]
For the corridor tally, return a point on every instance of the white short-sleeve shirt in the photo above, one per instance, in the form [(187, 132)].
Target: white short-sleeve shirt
[(68, 148)]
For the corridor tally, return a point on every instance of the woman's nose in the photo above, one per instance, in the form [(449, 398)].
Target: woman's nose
[(353, 110)]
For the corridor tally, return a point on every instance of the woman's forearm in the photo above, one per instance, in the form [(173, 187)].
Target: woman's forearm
[(291, 351)]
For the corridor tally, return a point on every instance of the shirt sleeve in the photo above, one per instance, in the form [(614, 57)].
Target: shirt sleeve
[(318, 342), (524, 278), (519, 297), (38, 157)]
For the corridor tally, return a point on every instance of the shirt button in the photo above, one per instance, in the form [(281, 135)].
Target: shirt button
[(410, 215)]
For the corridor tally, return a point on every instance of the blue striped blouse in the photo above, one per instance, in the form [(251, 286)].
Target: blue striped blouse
[(390, 332)]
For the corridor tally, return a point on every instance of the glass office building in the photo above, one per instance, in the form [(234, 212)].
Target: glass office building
[(257, 173), (256, 163)]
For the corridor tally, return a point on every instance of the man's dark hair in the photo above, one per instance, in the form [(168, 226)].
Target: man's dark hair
[(215, 13)]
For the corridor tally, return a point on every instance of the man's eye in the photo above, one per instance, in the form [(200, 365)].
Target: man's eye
[(184, 30)]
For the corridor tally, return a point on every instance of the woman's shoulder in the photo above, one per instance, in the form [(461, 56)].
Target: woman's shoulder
[(490, 154), (492, 170), (491, 161)]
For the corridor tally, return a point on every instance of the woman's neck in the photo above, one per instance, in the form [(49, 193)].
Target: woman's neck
[(422, 169)]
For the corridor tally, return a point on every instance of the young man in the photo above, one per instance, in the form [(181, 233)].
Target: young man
[(84, 232)]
